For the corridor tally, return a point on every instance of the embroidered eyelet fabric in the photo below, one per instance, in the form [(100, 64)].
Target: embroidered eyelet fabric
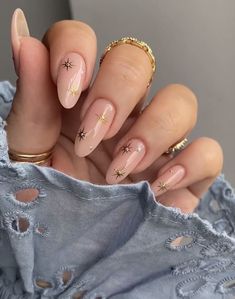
[(80, 240)]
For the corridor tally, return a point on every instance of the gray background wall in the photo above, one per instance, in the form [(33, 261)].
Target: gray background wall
[(194, 42)]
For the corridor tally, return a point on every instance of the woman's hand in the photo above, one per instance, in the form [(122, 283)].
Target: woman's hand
[(99, 132)]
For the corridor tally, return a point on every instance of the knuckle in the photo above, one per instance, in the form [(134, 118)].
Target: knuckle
[(169, 122), (52, 31), (182, 101), (126, 70), (212, 154), (186, 101), (86, 29), (184, 92), (67, 27)]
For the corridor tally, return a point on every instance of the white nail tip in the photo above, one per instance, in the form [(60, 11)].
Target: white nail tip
[(20, 24)]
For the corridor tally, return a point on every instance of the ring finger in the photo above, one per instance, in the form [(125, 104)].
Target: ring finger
[(120, 84), (169, 118)]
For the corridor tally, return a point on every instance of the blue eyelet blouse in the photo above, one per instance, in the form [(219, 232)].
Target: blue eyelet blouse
[(80, 240)]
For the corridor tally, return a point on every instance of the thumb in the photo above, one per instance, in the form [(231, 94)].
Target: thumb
[(34, 122)]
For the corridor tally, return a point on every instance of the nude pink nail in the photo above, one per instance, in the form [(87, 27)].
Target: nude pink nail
[(126, 160), (93, 128), (70, 79), (168, 179), (19, 30)]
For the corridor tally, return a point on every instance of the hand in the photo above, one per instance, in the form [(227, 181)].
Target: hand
[(99, 133)]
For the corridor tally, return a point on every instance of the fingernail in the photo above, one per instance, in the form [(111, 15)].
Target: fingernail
[(19, 29), (93, 128), (70, 79), (126, 160), (168, 179)]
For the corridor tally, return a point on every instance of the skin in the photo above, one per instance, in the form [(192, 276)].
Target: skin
[(38, 120)]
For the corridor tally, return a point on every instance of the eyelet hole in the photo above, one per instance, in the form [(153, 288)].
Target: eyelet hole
[(41, 230), (67, 275), (190, 287), (43, 284), (228, 192), (214, 206), (79, 295), (181, 241), (21, 224), (229, 284), (27, 195)]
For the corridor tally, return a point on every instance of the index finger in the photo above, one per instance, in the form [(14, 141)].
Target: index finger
[(73, 47)]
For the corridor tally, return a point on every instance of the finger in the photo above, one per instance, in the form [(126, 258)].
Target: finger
[(120, 84), (33, 124), (181, 199), (195, 167), (72, 46), (170, 116)]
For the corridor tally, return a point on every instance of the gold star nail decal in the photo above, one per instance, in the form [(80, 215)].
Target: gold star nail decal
[(81, 134), (126, 148), (163, 186), (119, 172), (73, 90), (102, 118), (67, 64)]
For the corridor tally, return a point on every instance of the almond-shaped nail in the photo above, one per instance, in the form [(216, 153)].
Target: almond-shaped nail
[(93, 128), (19, 29), (70, 79), (129, 155), (168, 179)]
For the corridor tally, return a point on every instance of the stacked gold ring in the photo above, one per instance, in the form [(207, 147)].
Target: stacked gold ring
[(135, 42), (38, 159)]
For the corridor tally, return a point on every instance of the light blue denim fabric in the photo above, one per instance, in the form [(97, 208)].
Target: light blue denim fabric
[(112, 241)]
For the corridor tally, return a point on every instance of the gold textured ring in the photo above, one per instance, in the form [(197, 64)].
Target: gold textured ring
[(134, 42), (38, 159), (177, 147)]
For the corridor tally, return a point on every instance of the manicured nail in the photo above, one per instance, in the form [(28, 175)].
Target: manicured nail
[(19, 29), (168, 179), (93, 128), (70, 79), (126, 160)]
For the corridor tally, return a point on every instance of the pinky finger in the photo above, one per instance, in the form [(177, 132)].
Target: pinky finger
[(195, 168), (182, 199)]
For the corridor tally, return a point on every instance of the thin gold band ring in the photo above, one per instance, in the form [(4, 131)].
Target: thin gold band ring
[(177, 147), (38, 159)]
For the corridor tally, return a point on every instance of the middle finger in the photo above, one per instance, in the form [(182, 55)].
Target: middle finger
[(120, 84)]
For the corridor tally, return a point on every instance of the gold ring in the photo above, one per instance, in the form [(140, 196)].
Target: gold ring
[(38, 159), (177, 147), (135, 42)]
